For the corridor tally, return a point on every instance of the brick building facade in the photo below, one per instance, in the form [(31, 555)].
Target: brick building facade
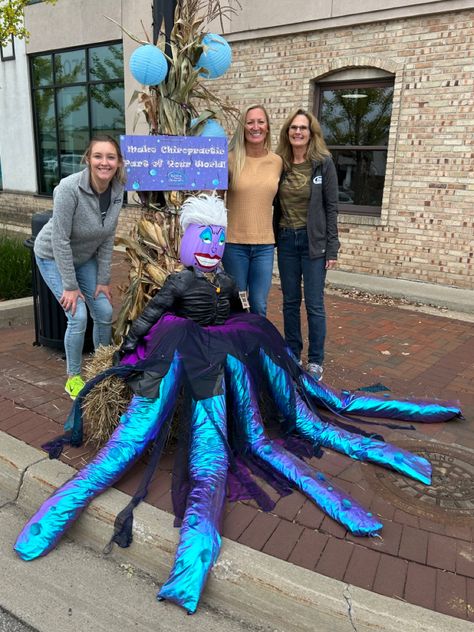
[(424, 229)]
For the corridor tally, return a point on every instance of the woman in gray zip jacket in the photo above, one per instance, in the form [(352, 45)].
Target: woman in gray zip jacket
[(73, 250), (305, 224)]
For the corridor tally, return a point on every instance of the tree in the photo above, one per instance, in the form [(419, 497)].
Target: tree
[(11, 19)]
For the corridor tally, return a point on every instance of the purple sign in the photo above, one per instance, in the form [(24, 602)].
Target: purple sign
[(175, 163)]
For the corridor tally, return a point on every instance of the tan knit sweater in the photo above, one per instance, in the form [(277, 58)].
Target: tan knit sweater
[(250, 202)]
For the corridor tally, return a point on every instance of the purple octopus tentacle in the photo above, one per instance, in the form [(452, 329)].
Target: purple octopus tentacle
[(308, 425), (138, 426), (199, 540), (335, 502), (372, 405)]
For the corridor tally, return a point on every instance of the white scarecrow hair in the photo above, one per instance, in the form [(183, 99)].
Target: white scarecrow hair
[(203, 209)]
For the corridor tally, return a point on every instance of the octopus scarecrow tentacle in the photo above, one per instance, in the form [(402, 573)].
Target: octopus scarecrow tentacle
[(335, 502), (199, 539), (370, 405), (309, 426), (139, 425)]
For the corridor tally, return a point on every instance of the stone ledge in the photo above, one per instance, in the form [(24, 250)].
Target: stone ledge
[(16, 312)]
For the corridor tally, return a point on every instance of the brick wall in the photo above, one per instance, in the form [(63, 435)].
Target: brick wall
[(16, 210), (426, 228)]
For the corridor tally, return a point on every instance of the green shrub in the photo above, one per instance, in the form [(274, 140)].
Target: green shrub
[(15, 268)]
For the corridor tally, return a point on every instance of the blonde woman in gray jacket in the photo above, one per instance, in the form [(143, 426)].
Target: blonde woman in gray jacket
[(74, 249)]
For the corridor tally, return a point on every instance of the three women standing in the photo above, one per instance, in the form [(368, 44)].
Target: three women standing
[(305, 221), (254, 174), (74, 249)]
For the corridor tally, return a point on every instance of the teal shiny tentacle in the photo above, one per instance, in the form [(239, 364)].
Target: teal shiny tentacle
[(200, 541), (335, 502), (309, 426), (372, 405), (139, 424)]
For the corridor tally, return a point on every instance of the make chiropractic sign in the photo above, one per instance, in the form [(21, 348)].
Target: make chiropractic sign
[(183, 163)]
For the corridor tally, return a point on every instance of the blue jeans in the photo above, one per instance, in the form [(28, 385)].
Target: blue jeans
[(251, 266), (294, 264), (100, 309)]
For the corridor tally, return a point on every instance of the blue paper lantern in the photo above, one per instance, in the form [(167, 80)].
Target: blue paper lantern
[(211, 128), (216, 58), (148, 65)]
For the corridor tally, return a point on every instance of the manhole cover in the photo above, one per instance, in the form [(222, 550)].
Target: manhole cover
[(451, 493)]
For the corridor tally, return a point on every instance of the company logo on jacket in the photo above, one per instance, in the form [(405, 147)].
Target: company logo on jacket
[(318, 180)]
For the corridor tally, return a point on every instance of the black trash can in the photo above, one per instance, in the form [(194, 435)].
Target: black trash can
[(50, 320)]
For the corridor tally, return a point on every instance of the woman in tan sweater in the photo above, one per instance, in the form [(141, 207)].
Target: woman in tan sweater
[(254, 175)]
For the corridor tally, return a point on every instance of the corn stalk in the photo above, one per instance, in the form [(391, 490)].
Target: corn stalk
[(153, 245)]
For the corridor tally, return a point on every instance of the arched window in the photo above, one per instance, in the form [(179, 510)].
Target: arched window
[(354, 108)]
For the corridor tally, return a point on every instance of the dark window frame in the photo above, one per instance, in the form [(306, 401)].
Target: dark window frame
[(4, 56), (319, 87), (55, 85)]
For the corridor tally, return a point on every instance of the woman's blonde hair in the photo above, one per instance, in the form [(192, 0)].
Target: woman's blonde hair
[(317, 149), (105, 138), (237, 143)]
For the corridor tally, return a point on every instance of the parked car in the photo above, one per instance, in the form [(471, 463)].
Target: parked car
[(50, 165), (345, 198), (70, 163)]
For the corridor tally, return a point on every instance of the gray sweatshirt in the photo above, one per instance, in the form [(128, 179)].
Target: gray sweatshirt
[(76, 233)]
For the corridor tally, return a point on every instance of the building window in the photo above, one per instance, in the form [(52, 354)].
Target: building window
[(355, 120), (76, 94), (7, 51)]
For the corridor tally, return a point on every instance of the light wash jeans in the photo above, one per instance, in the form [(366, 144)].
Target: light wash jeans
[(251, 266), (294, 264), (100, 309)]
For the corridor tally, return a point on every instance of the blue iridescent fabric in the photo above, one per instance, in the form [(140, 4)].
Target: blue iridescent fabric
[(220, 366)]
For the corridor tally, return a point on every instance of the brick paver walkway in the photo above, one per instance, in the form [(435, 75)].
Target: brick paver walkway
[(425, 554)]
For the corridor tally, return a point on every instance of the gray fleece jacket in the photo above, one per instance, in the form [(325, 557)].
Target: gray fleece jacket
[(75, 233)]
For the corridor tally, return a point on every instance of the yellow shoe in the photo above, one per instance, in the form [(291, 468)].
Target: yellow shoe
[(74, 386)]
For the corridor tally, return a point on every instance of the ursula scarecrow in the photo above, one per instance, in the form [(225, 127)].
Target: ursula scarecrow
[(194, 336)]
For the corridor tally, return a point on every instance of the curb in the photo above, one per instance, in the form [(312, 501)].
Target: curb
[(252, 586), (16, 312), (456, 299)]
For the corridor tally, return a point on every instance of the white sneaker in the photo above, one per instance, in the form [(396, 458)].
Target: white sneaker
[(315, 370)]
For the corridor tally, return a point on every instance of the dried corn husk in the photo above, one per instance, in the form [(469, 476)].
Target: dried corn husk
[(153, 246), (105, 403)]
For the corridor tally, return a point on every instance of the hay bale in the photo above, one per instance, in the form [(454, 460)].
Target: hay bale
[(106, 402)]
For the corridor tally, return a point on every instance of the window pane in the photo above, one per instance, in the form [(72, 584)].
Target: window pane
[(73, 127), (47, 140), (356, 116), (360, 175), (70, 67), (82, 100), (42, 67), (106, 63), (107, 109)]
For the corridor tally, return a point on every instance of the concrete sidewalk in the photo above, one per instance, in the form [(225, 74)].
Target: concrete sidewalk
[(295, 562), (244, 585), (452, 298)]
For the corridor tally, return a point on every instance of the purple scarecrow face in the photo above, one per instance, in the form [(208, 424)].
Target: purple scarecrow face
[(202, 246)]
